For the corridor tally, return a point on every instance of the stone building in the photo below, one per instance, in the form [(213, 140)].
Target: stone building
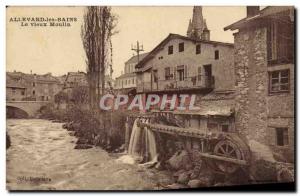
[(32, 87), (75, 79), (128, 79), (264, 72), (79, 79), (15, 88)]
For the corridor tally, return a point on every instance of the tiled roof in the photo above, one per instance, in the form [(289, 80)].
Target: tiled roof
[(126, 75), (134, 59), (160, 46)]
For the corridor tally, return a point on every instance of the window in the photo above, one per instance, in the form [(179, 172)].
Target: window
[(13, 90), (225, 128), (280, 41), (198, 49), (170, 50), (199, 73), (181, 47), (279, 81), (180, 72), (282, 137), (33, 92), (132, 80), (167, 73), (216, 54), (23, 92), (33, 84)]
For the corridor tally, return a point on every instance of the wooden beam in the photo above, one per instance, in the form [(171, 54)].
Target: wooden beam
[(220, 158)]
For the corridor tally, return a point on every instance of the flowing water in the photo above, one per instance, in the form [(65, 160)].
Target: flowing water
[(42, 157), (142, 145)]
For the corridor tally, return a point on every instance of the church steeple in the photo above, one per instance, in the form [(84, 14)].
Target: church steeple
[(190, 28), (197, 27)]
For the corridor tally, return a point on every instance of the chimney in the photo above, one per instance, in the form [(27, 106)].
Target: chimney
[(252, 11)]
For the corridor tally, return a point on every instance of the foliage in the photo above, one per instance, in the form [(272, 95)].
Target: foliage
[(80, 95), (60, 97)]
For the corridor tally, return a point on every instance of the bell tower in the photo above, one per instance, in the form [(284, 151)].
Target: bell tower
[(197, 28)]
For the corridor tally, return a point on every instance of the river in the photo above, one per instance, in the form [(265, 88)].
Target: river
[(42, 157)]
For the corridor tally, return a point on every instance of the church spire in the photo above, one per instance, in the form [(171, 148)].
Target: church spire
[(197, 25), (190, 28)]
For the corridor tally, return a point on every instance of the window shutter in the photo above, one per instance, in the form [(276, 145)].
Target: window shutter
[(186, 71), (174, 74)]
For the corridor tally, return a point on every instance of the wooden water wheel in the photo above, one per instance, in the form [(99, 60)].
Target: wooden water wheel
[(232, 153)]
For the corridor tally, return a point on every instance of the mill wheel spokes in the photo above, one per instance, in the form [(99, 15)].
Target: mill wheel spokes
[(228, 149)]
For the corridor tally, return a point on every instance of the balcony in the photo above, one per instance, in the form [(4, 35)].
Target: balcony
[(189, 83)]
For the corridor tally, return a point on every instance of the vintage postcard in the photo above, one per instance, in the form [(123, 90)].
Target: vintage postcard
[(150, 98)]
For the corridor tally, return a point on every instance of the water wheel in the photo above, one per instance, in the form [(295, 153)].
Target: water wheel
[(234, 148)]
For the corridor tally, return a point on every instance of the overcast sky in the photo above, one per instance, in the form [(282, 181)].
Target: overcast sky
[(59, 49)]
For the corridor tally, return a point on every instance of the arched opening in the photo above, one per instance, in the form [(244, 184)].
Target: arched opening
[(14, 112)]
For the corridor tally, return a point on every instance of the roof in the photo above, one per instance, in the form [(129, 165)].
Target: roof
[(31, 77), (160, 46), (15, 85), (268, 11), (212, 104), (134, 59), (126, 75), (225, 111)]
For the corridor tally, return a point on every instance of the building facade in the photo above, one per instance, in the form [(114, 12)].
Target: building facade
[(264, 71), (180, 62), (128, 79), (192, 65), (31, 87)]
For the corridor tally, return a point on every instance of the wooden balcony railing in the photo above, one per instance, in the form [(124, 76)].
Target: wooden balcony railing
[(171, 84)]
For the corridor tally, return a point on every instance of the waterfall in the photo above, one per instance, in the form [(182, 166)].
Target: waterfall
[(142, 145), (135, 140), (150, 145)]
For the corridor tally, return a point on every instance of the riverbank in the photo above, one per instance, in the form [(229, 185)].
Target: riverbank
[(42, 157)]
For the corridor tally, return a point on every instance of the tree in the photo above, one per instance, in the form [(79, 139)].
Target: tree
[(97, 29)]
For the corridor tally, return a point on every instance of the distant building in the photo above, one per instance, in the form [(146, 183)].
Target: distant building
[(75, 79), (79, 79), (264, 67), (31, 87), (128, 79), (16, 89)]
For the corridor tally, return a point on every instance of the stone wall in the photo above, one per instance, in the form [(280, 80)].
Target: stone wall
[(258, 113)]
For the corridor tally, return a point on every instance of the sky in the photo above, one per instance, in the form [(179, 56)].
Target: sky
[(59, 49)]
